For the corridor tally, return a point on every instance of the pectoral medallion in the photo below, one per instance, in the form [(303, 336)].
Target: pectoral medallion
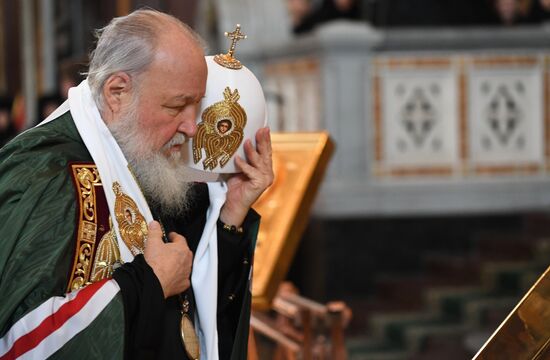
[(188, 335), (131, 223)]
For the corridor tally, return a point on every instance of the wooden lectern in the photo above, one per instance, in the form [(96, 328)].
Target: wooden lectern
[(299, 163), (301, 328)]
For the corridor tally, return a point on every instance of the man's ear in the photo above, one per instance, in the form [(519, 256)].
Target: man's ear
[(117, 91)]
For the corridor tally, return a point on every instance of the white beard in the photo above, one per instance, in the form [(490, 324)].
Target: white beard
[(162, 178)]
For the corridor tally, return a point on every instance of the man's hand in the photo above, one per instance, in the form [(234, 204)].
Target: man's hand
[(171, 262), (245, 188)]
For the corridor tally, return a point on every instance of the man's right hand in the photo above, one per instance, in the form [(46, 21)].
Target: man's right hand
[(171, 261)]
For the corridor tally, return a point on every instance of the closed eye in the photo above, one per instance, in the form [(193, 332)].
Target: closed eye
[(176, 109)]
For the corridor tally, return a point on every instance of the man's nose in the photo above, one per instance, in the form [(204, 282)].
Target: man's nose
[(188, 125)]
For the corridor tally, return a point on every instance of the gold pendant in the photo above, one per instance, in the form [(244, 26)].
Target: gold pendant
[(220, 132), (189, 337)]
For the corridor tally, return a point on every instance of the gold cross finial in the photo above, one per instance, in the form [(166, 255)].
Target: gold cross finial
[(227, 60), (235, 36)]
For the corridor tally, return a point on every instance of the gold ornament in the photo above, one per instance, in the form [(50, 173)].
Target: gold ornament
[(107, 255), (189, 338), (221, 131), (227, 60), (86, 178), (131, 224)]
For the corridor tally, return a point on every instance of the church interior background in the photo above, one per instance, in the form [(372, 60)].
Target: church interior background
[(432, 219)]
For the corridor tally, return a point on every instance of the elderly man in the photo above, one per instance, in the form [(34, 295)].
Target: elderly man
[(85, 272)]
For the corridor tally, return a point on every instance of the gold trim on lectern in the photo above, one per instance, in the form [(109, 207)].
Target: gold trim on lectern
[(525, 333)]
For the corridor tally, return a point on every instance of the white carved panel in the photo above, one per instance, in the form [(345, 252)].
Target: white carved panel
[(274, 104), (311, 102), (288, 89), (419, 117), (506, 116), (293, 91)]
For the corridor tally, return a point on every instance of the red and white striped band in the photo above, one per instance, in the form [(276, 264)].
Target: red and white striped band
[(43, 331)]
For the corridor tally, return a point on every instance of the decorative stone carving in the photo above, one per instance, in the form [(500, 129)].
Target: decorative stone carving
[(419, 117), (505, 115)]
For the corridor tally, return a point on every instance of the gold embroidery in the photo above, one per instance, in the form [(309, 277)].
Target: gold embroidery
[(82, 267), (227, 60), (88, 231), (221, 131), (107, 255), (131, 224), (86, 178)]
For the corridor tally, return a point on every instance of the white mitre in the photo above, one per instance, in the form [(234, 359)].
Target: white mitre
[(231, 112)]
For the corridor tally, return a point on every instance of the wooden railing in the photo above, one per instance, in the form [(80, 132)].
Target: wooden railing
[(300, 328)]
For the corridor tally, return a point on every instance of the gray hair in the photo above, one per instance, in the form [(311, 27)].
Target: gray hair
[(128, 44)]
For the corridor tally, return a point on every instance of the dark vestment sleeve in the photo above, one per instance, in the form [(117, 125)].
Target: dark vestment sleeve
[(143, 308), (234, 267)]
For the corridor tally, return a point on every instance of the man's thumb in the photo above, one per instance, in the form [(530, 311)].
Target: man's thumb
[(155, 233)]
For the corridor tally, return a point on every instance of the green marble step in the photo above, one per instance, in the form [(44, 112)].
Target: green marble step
[(448, 301), (386, 327), (385, 355), (396, 328), (369, 344), (450, 312), (416, 335), (404, 334), (488, 310), (505, 277)]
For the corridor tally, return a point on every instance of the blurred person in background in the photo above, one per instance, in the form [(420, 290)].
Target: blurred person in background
[(70, 75), (307, 18), (513, 12), (7, 129), (544, 9), (298, 9), (47, 104)]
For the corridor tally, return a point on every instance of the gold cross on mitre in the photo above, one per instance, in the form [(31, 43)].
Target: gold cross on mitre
[(227, 60)]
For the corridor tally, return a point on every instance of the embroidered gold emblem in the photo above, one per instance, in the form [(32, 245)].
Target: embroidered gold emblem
[(86, 178), (221, 131), (131, 223), (107, 255), (227, 60)]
